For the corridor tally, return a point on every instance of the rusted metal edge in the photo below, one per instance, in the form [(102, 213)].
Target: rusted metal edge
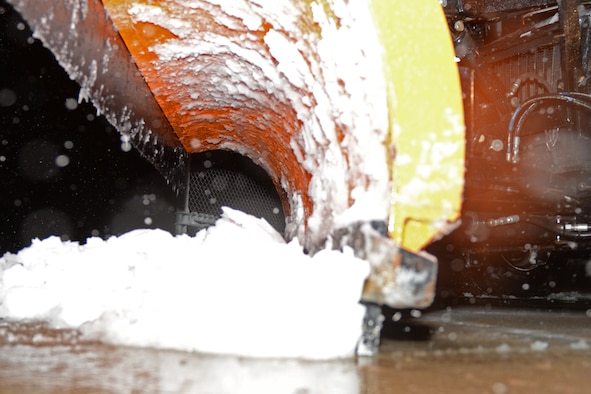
[(398, 278)]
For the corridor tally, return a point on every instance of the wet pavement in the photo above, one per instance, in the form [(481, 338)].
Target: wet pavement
[(490, 347)]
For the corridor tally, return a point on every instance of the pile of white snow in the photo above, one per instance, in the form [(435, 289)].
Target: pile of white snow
[(235, 288)]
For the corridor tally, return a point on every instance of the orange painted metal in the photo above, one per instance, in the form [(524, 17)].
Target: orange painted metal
[(263, 133)]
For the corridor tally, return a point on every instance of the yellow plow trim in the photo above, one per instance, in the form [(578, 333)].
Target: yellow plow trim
[(426, 120)]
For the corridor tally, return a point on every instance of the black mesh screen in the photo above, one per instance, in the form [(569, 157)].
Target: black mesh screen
[(222, 178)]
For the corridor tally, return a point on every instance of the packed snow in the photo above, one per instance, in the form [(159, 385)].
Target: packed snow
[(235, 288)]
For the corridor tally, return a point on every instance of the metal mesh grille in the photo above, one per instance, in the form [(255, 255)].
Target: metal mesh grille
[(542, 62), (221, 178)]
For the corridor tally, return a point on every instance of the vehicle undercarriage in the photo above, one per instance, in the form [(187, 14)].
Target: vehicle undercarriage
[(525, 74)]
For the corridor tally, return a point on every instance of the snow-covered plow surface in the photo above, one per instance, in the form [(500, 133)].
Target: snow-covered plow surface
[(295, 85), (352, 107), (236, 288)]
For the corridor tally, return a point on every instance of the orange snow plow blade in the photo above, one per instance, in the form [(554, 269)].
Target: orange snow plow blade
[(426, 121), (352, 108)]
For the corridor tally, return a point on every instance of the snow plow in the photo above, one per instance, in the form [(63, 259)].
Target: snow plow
[(352, 110)]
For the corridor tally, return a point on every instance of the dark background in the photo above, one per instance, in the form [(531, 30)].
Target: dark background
[(62, 170)]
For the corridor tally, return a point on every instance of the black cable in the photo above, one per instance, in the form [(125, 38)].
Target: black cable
[(521, 112)]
